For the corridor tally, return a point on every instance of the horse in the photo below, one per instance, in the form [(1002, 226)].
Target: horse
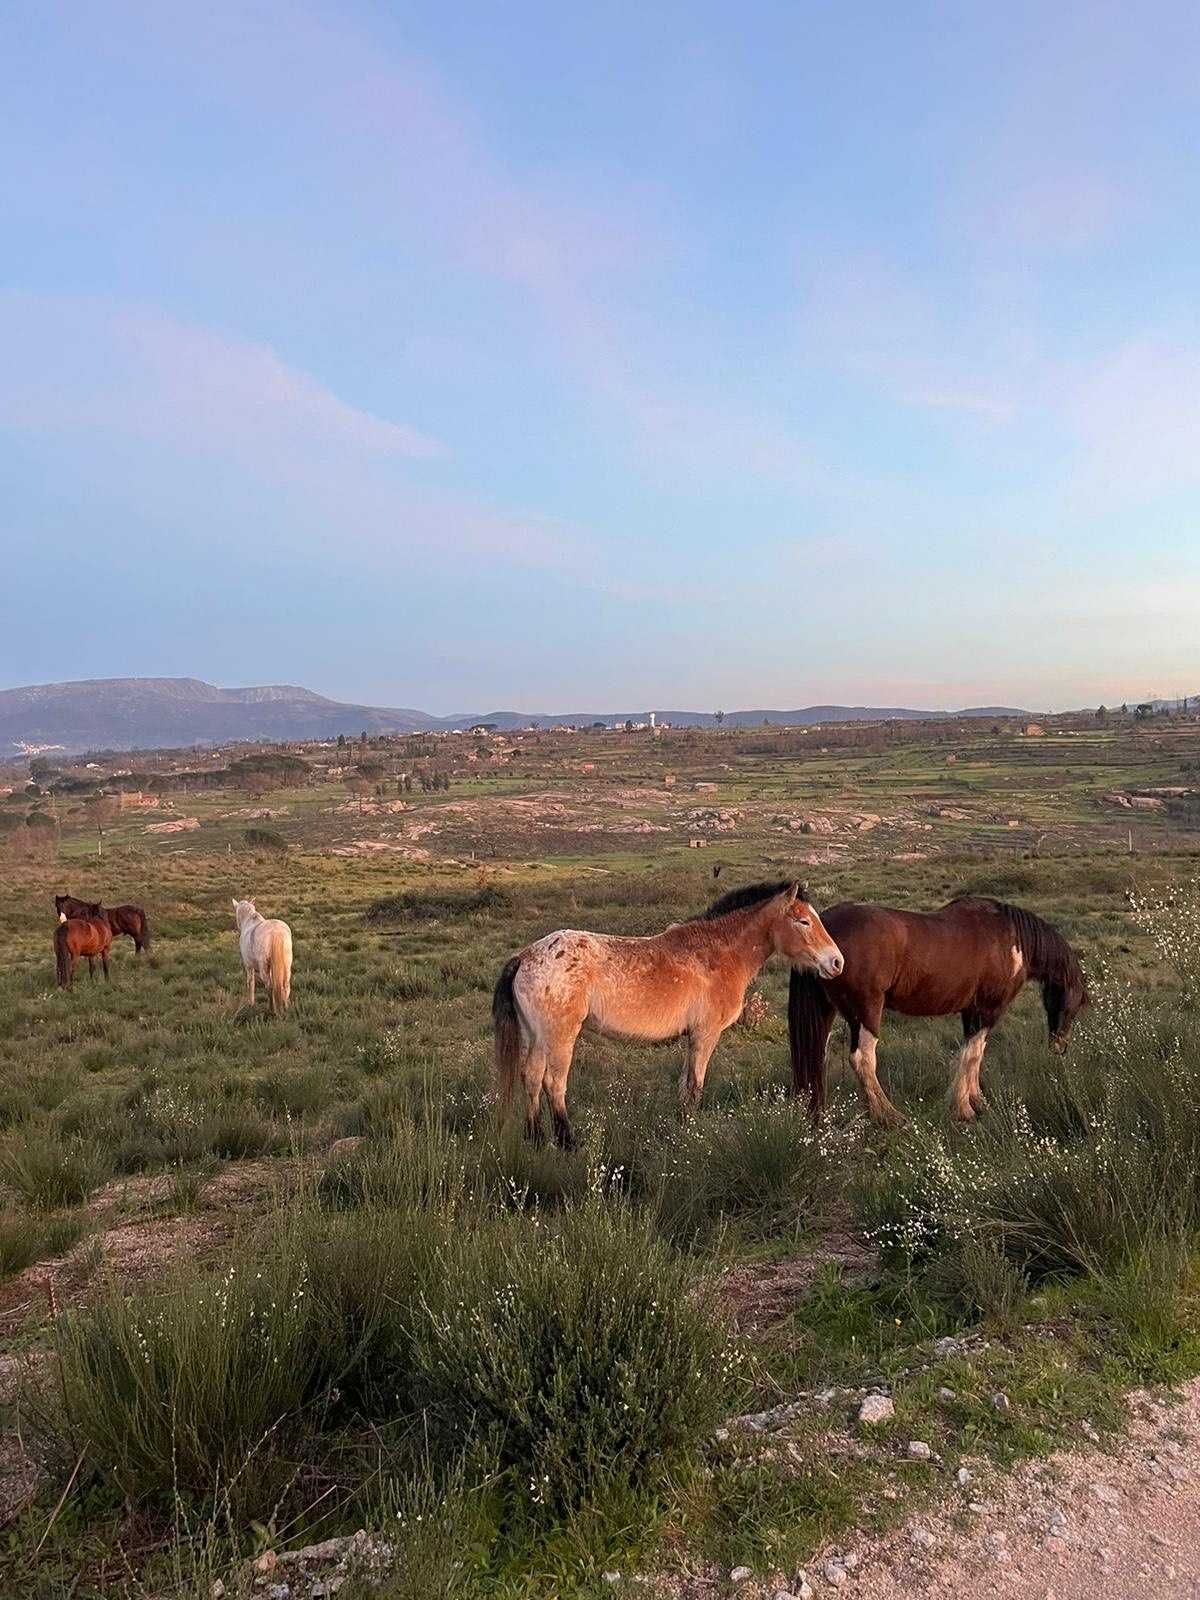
[(973, 956), (689, 981), (80, 936), (127, 919), (266, 945)]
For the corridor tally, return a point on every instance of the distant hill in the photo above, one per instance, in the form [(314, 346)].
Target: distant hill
[(148, 713)]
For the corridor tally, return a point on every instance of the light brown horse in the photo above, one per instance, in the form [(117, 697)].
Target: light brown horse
[(689, 981), (974, 956), (80, 936)]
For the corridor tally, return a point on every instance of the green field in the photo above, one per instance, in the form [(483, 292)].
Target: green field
[(218, 1338)]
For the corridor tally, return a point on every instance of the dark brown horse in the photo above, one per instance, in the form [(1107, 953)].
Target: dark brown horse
[(121, 919), (80, 936), (973, 956)]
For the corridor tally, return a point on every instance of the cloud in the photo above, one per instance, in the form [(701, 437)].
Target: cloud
[(73, 364)]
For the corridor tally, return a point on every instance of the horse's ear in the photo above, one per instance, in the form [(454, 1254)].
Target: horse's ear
[(234, 904), (795, 892)]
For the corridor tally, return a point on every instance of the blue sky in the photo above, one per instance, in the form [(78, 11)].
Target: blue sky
[(549, 356)]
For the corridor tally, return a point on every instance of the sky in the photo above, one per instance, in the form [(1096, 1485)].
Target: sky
[(547, 356)]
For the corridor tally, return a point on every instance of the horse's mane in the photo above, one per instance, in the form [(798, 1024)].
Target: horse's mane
[(1048, 958), (754, 894)]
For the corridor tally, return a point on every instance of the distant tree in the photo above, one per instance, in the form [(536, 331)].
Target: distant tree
[(341, 742), (1144, 711), (33, 790), (40, 769), (628, 724), (1124, 709), (718, 717), (1101, 713)]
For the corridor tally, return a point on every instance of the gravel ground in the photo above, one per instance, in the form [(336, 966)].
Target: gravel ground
[(1081, 1524)]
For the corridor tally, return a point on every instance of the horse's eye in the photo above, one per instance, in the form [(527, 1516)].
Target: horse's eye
[(803, 922)]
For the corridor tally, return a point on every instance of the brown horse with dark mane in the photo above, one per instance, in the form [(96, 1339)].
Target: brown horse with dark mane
[(80, 936), (121, 919), (687, 982), (973, 956)]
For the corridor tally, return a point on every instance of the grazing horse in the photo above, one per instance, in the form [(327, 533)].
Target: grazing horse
[(80, 936), (689, 981), (266, 945), (973, 956), (121, 919)]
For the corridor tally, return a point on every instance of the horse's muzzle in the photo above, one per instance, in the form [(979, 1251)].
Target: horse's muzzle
[(831, 963)]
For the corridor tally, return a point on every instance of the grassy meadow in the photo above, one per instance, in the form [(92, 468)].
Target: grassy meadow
[(223, 1331)]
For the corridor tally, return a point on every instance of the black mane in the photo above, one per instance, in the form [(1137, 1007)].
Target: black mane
[(754, 894), (1049, 959)]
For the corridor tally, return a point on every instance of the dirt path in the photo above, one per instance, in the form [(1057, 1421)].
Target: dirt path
[(1084, 1524)]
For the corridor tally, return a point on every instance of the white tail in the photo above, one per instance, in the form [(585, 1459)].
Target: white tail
[(281, 966)]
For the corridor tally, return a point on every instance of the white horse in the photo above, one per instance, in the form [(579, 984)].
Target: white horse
[(266, 953)]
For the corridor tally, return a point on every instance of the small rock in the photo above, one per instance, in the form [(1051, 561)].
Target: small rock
[(922, 1538), (834, 1573), (612, 1577), (850, 1560), (876, 1408), (1106, 1494), (945, 1347), (1001, 1401), (919, 1450), (964, 1477), (217, 1592), (267, 1562), (977, 1506), (721, 1435), (946, 1395), (740, 1574), (1057, 1517)]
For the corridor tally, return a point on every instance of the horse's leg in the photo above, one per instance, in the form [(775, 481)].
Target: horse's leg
[(91, 961), (558, 1067), (863, 1041), (250, 979), (700, 1046), (967, 1097), (533, 1075), (104, 964)]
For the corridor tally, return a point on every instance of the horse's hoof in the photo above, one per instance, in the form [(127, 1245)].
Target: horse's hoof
[(963, 1114)]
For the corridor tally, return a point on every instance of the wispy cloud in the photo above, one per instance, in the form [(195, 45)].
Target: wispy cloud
[(75, 363)]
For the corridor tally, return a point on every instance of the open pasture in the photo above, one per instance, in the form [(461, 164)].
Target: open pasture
[(226, 1332)]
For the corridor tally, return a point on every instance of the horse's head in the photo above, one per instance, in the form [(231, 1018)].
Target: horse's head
[(60, 901), (801, 936), (1064, 1001), (243, 909)]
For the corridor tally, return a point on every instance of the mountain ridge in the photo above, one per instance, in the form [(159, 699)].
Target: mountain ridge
[(148, 713)]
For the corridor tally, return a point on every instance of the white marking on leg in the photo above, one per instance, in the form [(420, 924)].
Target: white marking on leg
[(966, 1084)]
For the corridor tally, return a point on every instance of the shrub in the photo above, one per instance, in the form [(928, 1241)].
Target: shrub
[(582, 1353), (265, 839), (197, 1390), (50, 1173), (24, 1240)]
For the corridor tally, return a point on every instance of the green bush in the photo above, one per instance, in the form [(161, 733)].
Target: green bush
[(266, 839), (579, 1348), (51, 1173), (198, 1390)]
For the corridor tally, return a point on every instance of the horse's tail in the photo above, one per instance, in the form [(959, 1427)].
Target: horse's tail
[(281, 968), (506, 1019), (62, 958), (810, 1019)]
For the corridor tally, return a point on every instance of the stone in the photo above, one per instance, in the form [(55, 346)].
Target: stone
[(740, 1574), (946, 1395), (612, 1577), (919, 1450), (876, 1408), (964, 1477), (835, 1574), (1106, 1494), (267, 1562), (945, 1347), (344, 1147), (1001, 1401), (922, 1538)]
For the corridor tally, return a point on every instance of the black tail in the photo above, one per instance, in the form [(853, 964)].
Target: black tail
[(811, 1015), (506, 1020), (62, 959)]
